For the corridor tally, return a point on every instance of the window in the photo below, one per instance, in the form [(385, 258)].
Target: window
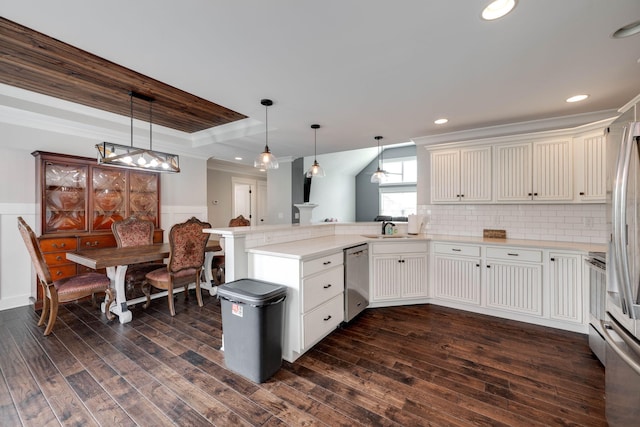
[(398, 196), (403, 170), (398, 200)]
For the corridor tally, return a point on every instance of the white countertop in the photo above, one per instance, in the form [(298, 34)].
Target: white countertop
[(323, 245)]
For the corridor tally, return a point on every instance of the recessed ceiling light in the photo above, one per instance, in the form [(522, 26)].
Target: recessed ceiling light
[(238, 158), (441, 121), (497, 9), (577, 98), (627, 30)]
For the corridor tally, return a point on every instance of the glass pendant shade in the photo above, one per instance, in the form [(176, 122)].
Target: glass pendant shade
[(266, 160), (130, 157), (315, 171), (379, 176)]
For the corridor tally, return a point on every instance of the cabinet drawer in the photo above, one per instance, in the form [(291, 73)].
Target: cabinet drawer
[(401, 246), (321, 288), (56, 258), (62, 271), (453, 249), (59, 244), (324, 263), (515, 254), (319, 322), (102, 241)]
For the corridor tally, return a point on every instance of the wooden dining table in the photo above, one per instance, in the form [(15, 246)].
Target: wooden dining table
[(116, 261)]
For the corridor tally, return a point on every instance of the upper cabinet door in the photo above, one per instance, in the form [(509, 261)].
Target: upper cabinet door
[(64, 197), (591, 168), (552, 171), (109, 196), (445, 176), (514, 175), (475, 174)]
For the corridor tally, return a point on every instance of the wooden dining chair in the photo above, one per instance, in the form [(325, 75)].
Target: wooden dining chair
[(134, 231), (63, 290), (217, 264), (187, 244)]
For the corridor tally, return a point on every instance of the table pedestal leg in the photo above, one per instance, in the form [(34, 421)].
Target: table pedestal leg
[(208, 274), (119, 308)]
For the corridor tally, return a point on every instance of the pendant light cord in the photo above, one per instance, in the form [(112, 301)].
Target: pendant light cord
[(266, 128)]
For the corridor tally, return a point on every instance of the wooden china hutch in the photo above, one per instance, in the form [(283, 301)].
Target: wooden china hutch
[(78, 200)]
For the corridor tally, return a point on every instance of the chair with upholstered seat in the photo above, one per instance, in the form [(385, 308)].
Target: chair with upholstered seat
[(217, 263), (135, 232), (63, 290), (187, 244)]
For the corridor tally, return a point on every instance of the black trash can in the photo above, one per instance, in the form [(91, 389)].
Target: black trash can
[(252, 323)]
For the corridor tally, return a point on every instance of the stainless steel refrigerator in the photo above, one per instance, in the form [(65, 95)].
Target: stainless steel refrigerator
[(622, 326)]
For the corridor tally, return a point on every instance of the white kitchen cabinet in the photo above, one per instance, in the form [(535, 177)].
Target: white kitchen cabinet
[(591, 168), (539, 171), (398, 271), (461, 175), (514, 280), (457, 273), (565, 287), (315, 296)]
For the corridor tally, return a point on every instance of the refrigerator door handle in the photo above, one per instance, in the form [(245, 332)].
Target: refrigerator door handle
[(606, 328), (620, 222)]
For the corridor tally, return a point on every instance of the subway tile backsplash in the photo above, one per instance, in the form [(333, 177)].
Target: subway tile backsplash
[(583, 223)]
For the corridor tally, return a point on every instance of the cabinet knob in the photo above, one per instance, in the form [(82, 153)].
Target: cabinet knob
[(552, 259), (92, 244), (58, 258), (582, 193), (462, 195), (477, 265), (327, 286), (327, 318), (488, 266)]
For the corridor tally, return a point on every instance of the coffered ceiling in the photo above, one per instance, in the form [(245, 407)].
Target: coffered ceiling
[(359, 68), (39, 63)]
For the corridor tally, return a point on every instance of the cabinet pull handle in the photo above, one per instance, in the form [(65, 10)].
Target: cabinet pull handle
[(530, 194), (488, 266), (511, 254), (582, 193), (62, 245), (462, 195), (327, 286), (552, 259), (477, 265), (327, 318), (58, 273), (94, 243), (326, 263), (456, 250)]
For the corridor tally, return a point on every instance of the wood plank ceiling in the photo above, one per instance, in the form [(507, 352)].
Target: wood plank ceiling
[(39, 63)]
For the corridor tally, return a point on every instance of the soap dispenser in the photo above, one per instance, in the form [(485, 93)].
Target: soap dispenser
[(388, 228)]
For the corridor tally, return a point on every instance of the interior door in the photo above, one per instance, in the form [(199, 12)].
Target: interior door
[(244, 198)]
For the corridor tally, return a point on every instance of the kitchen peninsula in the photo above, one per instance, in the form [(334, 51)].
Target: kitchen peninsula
[(538, 282)]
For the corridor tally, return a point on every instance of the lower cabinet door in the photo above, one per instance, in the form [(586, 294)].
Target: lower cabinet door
[(515, 287), (323, 319), (457, 279)]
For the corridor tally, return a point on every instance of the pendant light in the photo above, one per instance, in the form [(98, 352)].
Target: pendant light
[(266, 160), (315, 171), (130, 157), (379, 176)]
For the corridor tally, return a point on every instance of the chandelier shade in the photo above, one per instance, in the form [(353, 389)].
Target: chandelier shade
[(130, 157), (379, 176), (315, 171), (266, 160)]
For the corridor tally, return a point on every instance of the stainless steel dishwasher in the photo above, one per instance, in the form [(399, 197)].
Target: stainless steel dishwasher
[(356, 280)]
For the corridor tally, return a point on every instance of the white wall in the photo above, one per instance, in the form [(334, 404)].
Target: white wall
[(335, 194), (279, 193)]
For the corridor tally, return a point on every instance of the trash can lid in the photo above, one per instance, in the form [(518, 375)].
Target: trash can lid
[(251, 291)]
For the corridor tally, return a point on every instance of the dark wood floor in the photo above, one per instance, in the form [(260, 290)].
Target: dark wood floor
[(409, 366)]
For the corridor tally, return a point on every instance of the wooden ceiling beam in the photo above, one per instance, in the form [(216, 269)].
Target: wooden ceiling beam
[(36, 62)]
